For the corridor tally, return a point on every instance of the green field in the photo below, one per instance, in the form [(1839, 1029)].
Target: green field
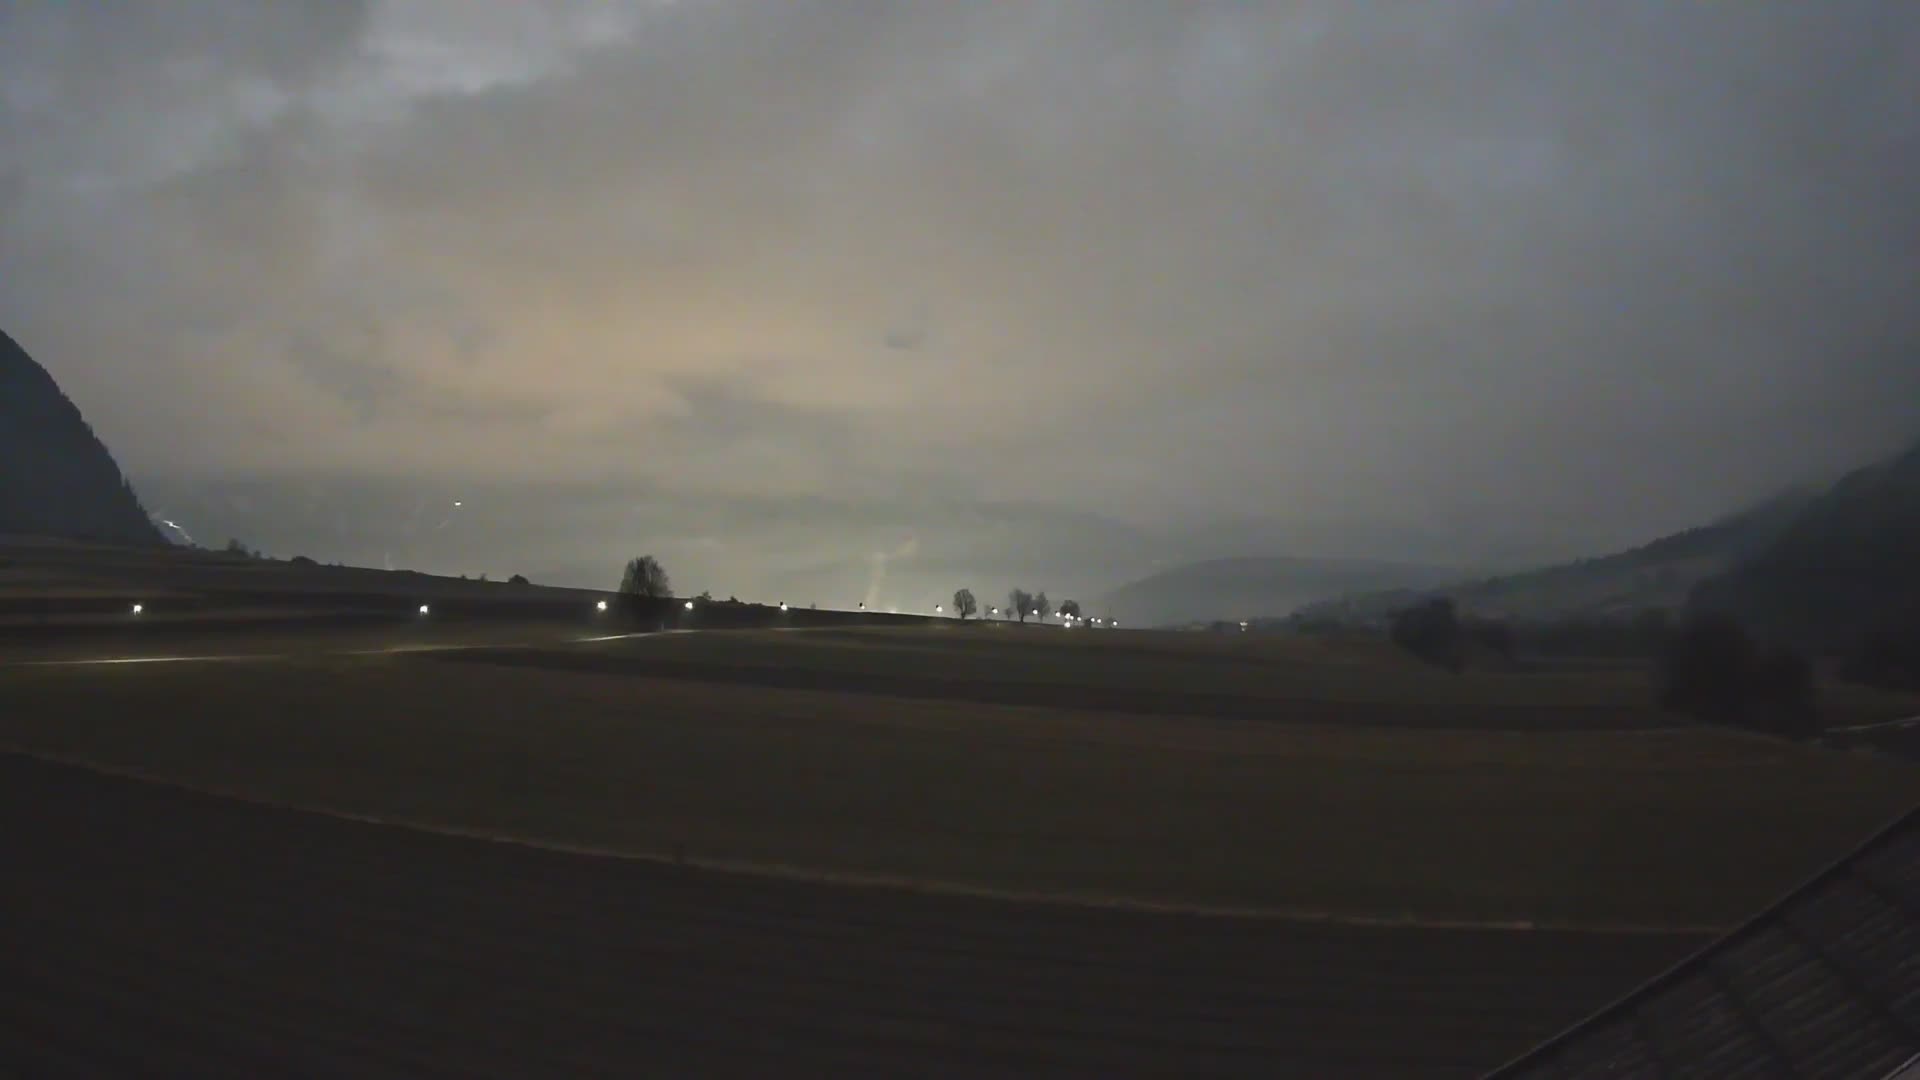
[(1659, 828)]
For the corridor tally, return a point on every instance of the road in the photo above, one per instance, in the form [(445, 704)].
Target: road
[(1896, 738), (148, 929)]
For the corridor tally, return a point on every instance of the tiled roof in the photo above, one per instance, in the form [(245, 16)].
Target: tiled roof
[(1824, 984)]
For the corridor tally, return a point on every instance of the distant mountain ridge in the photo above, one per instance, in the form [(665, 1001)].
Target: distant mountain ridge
[(56, 477), (1659, 574), (1250, 588)]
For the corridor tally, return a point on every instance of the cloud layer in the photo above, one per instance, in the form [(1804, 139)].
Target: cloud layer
[(1436, 282)]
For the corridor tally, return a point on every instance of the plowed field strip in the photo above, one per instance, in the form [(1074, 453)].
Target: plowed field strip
[(153, 930)]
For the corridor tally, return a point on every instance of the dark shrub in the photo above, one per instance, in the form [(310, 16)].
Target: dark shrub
[(1714, 671), (1494, 636), (1431, 631), (1707, 669), (1653, 629), (1781, 695), (1887, 656)]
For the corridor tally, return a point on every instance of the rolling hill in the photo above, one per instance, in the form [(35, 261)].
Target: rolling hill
[(1254, 587), (1847, 564), (56, 478), (1659, 574)]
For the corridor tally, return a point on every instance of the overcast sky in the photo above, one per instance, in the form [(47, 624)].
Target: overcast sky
[(1055, 291)]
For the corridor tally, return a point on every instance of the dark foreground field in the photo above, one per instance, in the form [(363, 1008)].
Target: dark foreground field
[(149, 931), (1080, 852), (1331, 790)]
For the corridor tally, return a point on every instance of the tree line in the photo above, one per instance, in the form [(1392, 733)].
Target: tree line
[(645, 577), (1021, 605), (1707, 665)]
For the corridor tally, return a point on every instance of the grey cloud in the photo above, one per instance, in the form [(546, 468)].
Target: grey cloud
[(1433, 282)]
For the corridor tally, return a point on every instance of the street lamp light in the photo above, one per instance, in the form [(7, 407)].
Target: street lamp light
[(689, 605), (138, 608), (601, 606), (424, 609)]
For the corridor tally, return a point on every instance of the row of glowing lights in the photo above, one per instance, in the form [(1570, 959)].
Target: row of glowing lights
[(427, 609), (938, 609), (994, 612)]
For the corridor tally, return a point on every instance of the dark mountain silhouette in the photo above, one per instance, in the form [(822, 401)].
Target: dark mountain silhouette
[(1253, 588), (1848, 564), (56, 479), (1658, 574)]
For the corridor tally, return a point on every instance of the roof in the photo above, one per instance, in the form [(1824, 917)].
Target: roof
[(1825, 983)]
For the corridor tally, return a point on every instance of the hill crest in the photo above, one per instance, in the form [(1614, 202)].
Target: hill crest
[(56, 477), (1658, 574), (1844, 566), (1255, 587)]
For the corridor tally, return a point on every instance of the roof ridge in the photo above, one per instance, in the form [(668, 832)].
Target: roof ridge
[(1706, 960)]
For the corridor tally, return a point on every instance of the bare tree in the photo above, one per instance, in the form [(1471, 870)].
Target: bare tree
[(1040, 608), (645, 577), (1021, 601), (965, 604)]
